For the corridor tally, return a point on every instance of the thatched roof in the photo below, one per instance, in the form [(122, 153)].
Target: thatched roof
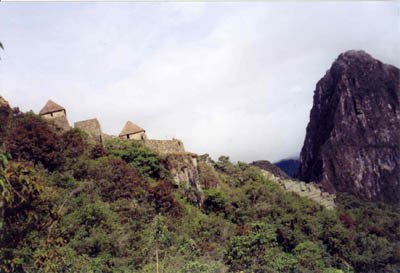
[(51, 107), (3, 102), (130, 128)]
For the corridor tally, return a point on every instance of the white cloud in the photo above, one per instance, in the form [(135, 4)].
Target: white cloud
[(233, 79)]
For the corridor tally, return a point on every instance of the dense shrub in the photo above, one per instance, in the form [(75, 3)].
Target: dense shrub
[(72, 144), (163, 201), (208, 177), (136, 154), (5, 119), (97, 151), (115, 179), (26, 207), (215, 201), (69, 206), (31, 139)]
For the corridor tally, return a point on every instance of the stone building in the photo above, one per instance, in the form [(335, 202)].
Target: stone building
[(3, 102), (92, 128), (132, 131), (55, 113)]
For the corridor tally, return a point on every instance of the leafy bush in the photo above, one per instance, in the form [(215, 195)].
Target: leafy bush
[(247, 251), (97, 151), (215, 200), (115, 179), (135, 153), (27, 207), (31, 139), (69, 206), (163, 201), (72, 143)]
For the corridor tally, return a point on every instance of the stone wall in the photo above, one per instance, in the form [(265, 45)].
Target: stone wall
[(54, 115), (308, 190), (137, 136), (61, 122), (92, 128), (59, 119), (173, 146)]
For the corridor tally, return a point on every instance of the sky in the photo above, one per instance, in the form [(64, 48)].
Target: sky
[(233, 79)]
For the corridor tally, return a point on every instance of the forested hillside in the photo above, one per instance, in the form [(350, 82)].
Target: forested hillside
[(70, 205)]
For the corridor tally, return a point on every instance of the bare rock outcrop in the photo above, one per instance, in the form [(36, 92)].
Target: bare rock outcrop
[(352, 142), (192, 174)]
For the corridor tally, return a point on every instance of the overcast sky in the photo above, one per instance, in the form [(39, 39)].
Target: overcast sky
[(232, 79)]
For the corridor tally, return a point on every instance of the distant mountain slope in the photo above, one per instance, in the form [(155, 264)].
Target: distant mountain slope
[(289, 166), (268, 166), (352, 142)]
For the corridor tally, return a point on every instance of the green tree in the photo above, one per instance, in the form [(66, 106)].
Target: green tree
[(158, 237), (27, 208), (215, 200), (136, 154), (247, 252), (309, 255)]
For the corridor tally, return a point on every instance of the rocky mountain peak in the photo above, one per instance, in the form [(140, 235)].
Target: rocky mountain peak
[(352, 142)]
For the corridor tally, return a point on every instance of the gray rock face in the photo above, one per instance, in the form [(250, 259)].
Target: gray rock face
[(352, 142)]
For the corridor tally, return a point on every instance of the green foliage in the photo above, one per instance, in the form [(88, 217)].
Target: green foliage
[(5, 188), (93, 229), (208, 177), (215, 200), (31, 139), (163, 201), (67, 205), (309, 255), (247, 251), (63, 180), (72, 144), (135, 153), (27, 207)]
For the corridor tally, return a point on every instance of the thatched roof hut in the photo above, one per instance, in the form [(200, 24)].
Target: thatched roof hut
[(51, 107), (3, 102), (132, 131), (56, 114)]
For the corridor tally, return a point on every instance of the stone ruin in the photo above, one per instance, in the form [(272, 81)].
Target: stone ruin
[(92, 128), (185, 169), (58, 115), (309, 190)]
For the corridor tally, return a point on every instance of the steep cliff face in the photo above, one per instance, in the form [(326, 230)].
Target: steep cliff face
[(352, 142), (192, 174)]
